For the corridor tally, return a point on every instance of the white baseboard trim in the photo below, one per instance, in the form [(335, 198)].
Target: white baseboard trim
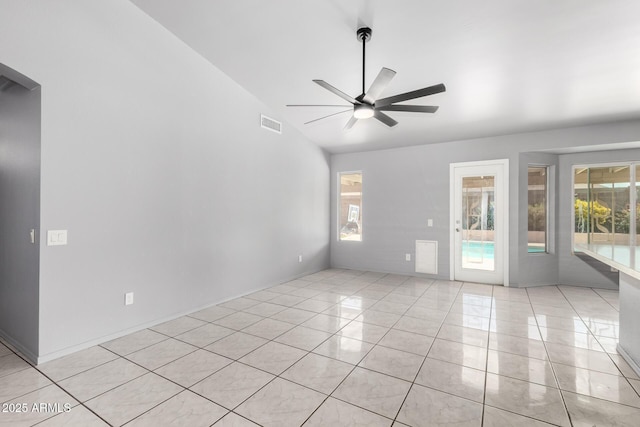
[(18, 348), (83, 346), (628, 359)]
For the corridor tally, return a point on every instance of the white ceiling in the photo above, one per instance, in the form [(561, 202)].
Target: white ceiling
[(509, 65)]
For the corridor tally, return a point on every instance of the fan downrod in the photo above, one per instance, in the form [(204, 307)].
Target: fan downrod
[(364, 35)]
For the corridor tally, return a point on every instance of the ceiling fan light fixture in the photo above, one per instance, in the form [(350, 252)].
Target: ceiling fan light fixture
[(363, 111), (368, 104)]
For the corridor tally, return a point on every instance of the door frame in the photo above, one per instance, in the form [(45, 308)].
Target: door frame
[(504, 240)]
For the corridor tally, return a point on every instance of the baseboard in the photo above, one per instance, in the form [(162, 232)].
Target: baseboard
[(532, 285), (100, 340), (627, 358), (18, 348)]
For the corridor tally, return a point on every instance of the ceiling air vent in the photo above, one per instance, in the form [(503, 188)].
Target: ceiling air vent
[(270, 124)]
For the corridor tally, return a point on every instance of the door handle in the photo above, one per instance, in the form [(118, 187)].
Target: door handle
[(457, 230)]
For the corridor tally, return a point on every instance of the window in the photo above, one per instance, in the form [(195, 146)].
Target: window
[(634, 208), (604, 204), (478, 222), (538, 196), (350, 206)]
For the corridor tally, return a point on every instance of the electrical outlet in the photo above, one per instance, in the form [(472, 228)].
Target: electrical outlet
[(407, 257), (128, 298), (299, 258)]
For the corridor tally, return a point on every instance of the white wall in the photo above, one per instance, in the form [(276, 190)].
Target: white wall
[(404, 187), (155, 162)]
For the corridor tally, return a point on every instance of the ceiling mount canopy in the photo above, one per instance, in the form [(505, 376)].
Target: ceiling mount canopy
[(368, 104)]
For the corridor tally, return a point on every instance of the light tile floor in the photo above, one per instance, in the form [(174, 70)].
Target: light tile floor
[(348, 348)]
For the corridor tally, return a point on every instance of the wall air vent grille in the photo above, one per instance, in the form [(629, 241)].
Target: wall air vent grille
[(270, 124)]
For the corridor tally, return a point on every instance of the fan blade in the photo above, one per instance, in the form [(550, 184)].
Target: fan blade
[(411, 108), (338, 92), (379, 85), (431, 90), (317, 105), (384, 118), (324, 117), (352, 121)]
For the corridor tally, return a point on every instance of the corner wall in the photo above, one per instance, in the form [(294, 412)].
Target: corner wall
[(155, 163), (539, 268), (20, 212)]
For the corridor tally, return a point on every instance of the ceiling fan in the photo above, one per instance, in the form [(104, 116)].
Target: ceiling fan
[(367, 104)]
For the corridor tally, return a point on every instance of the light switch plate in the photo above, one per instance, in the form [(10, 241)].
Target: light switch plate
[(56, 237), (128, 298), (429, 223)]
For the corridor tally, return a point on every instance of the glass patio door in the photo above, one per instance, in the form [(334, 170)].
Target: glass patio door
[(478, 222)]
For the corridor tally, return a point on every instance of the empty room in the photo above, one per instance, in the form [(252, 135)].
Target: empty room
[(319, 213)]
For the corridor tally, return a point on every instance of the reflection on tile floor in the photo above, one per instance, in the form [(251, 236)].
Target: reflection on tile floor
[(346, 348)]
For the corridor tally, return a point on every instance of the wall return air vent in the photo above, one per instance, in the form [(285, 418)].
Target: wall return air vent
[(270, 124)]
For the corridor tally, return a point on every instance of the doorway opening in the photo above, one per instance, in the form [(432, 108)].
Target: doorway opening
[(20, 122)]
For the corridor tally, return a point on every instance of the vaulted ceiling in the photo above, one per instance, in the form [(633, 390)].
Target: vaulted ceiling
[(509, 66)]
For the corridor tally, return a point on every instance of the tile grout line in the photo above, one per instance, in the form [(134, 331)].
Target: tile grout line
[(55, 383), (80, 403), (131, 380), (275, 376), (330, 395), (356, 365), (353, 369), (393, 420), (622, 374), (486, 362), (427, 354), (278, 376), (544, 343)]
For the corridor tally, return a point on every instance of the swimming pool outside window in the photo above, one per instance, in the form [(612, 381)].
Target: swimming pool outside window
[(478, 222)]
